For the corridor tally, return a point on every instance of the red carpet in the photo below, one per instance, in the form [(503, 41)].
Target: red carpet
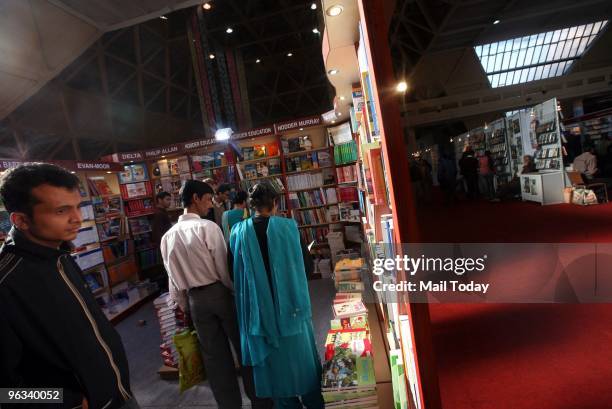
[(521, 356)]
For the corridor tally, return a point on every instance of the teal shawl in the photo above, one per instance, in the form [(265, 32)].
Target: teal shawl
[(264, 316), (230, 218)]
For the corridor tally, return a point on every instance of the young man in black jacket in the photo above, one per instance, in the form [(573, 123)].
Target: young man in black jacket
[(52, 331)]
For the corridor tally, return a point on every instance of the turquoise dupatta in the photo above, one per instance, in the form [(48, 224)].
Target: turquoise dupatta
[(261, 318), (274, 325)]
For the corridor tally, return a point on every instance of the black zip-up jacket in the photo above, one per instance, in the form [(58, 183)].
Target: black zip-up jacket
[(52, 331)]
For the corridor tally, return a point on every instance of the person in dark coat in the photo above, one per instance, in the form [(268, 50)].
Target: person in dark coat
[(468, 164)]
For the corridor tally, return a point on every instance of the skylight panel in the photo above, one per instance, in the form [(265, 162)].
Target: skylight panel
[(538, 56)]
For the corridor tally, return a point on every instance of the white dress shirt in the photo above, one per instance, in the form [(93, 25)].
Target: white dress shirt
[(194, 255)]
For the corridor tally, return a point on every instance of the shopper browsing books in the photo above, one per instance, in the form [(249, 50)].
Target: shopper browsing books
[(220, 204), (52, 331), (195, 257), (513, 188), (238, 213), (468, 165), (273, 303), (586, 163), (161, 220), (486, 174)]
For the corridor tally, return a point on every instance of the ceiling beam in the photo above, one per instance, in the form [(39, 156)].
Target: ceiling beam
[(504, 99), (73, 136)]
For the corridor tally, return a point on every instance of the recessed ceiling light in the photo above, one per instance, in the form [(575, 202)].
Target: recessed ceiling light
[(229, 30), (163, 156), (131, 161), (163, 17), (313, 6), (108, 171), (342, 98), (257, 61), (496, 22), (401, 86), (335, 10), (211, 56), (206, 6), (333, 71), (301, 129), (333, 121), (339, 114), (315, 30), (73, 172), (289, 54)]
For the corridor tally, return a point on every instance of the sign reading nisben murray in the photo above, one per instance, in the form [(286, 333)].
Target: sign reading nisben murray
[(491, 273)]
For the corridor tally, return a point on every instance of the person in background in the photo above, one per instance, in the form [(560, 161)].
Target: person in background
[(416, 177), (238, 213), (469, 170), (161, 220), (427, 181), (447, 176), (52, 330), (486, 174), (273, 303), (513, 188), (586, 163), (195, 257), (220, 203)]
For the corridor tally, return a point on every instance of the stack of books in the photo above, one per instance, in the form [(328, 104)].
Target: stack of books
[(347, 174), (346, 152), (348, 271), (171, 321), (348, 373)]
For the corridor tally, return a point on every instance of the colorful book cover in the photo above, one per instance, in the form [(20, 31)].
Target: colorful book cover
[(248, 153), (272, 149), (139, 172), (349, 309), (126, 175), (259, 151)]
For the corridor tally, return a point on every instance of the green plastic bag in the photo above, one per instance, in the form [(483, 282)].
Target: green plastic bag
[(191, 367)]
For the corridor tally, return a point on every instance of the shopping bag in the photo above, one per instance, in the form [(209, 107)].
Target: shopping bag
[(584, 197), (191, 367)]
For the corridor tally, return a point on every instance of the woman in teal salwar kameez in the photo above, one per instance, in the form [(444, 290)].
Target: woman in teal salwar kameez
[(273, 303)]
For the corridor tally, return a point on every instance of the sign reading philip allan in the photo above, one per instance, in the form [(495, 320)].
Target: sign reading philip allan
[(166, 150)]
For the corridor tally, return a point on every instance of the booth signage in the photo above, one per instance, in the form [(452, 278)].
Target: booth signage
[(263, 131), (166, 150), (300, 123), (128, 156), (197, 144), (67, 164)]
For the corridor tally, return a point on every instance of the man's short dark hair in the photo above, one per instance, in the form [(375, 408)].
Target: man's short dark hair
[(16, 184), (240, 198), (162, 195), (226, 187), (194, 186)]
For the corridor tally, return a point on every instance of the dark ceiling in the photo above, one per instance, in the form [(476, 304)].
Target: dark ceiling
[(134, 87)]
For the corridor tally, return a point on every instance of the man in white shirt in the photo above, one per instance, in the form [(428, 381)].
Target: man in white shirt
[(195, 257)]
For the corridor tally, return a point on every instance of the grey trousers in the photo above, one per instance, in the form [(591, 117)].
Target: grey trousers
[(213, 312)]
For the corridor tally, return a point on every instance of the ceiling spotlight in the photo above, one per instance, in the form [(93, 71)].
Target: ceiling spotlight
[(257, 61), (496, 22), (339, 114), (289, 54), (73, 172), (342, 98), (401, 86), (333, 71), (211, 56), (334, 11), (301, 129), (229, 30), (333, 121), (108, 171), (163, 17), (315, 30), (163, 156), (206, 6), (313, 6)]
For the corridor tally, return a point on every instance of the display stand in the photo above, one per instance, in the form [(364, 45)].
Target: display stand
[(547, 186), (403, 346), (498, 145), (518, 130)]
